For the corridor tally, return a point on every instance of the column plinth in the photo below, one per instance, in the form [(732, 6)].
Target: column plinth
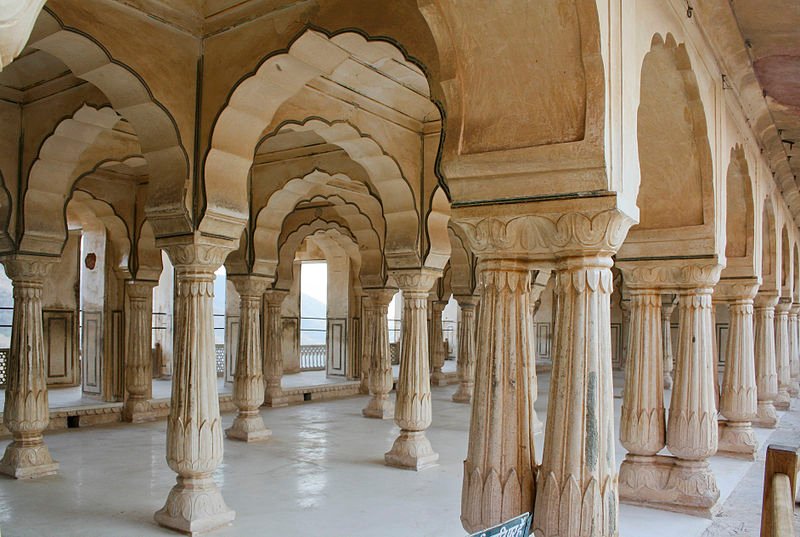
[(248, 378), (412, 450), (642, 423), (667, 308), (466, 349), (194, 427), (138, 363), (766, 371), (500, 469), (692, 432), (738, 399), (273, 354), (578, 472), (782, 358), (437, 344), (26, 411), (794, 349), (380, 376)]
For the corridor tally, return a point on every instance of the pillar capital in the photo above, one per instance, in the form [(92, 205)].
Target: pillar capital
[(669, 274), (783, 306), (250, 285), (467, 301), (22, 268), (766, 299), (416, 281), (139, 289), (196, 253), (795, 310), (380, 297)]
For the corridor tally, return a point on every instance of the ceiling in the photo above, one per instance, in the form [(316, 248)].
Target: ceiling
[(772, 30)]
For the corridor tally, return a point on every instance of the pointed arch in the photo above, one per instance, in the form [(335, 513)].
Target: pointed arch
[(84, 207)]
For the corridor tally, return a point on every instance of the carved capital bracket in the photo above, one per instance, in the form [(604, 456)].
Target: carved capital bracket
[(380, 298), (736, 289), (28, 268), (196, 253), (250, 285), (669, 274), (543, 236), (139, 289), (416, 281)]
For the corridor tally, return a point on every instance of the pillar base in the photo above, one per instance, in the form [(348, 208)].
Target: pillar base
[(195, 506), (766, 417), (275, 400), (25, 461), (248, 429), (463, 395), (138, 411), (794, 389), (668, 483), (783, 401), (438, 378), (736, 439), (379, 408), (411, 451)]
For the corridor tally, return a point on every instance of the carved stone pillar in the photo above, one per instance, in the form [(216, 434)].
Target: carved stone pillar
[(248, 378), (500, 470), (766, 372), (642, 423), (782, 359), (667, 307), (437, 344), (380, 366), (412, 450), (138, 342), (273, 354), (466, 349), (738, 400), (367, 345), (692, 427), (794, 349), (194, 427), (577, 481), (26, 412)]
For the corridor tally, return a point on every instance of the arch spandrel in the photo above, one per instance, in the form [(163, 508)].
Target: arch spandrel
[(677, 212)]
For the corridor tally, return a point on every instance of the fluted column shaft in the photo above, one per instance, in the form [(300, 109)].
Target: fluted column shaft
[(437, 343), (26, 411), (794, 349), (666, 339), (138, 343), (782, 351), (766, 370), (194, 427), (500, 469), (412, 450), (467, 351), (380, 359), (642, 424), (248, 377), (577, 481), (273, 354)]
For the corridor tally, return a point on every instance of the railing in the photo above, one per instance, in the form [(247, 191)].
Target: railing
[(3, 366), (312, 357), (219, 350), (780, 475)]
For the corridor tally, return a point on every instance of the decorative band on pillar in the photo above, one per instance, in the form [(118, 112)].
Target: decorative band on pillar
[(500, 469)]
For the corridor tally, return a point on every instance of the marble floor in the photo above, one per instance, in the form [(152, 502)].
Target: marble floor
[(321, 473)]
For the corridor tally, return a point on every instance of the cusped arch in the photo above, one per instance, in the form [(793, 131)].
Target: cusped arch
[(769, 247), (674, 151), (85, 207), (439, 245), (129, 95), (740, 217), (254, 102), (77, 146), (148, 255)]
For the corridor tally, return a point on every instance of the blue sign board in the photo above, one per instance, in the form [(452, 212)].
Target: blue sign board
[(519, 526)]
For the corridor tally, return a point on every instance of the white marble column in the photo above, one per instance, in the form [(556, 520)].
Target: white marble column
[(248, 377), (667, 307), (412, 450), (380, 406), (766, 371), (794, 349), (273, 353), (500, 470), (782, 359), (692, 426), (194, 427), (738, 400), (466, 348), (138, 343), (437, 344), (642, 423), (25, 411), (367, 345), (577, 481)]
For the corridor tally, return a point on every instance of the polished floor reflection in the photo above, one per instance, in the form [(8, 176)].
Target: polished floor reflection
[(321, 473)]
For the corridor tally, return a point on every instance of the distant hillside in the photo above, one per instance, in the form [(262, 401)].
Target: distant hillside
[(311, 307)]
